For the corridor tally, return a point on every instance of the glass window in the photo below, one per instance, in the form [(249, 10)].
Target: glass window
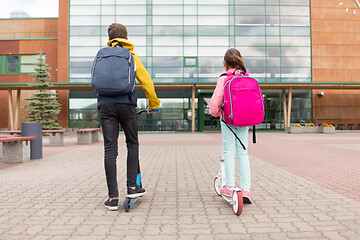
[(259, 30), (129, 2), (84, 20), (254, 62), (271, 41), (252, 51), (295, 2), (81, 64), (138, 40), (247, 20), (167, 61), (81, 2), (213, 20), (294, 10), (272, 10), (134, 30), (108, 10), (83, 51), (167, 51), (167, 30), (272, 20), (272, 31), (167, 10), (190, 20), (212, 51), (213, 30), (190, 41), (167, 41), (213, 10), (295, 21), (295, 62), (130, 10), (190, 10), (295, 51), (190, 51), (191, 30), (190, 61), (131, 20), (167, 2), (217, 2), (84, 10), (273, 51), (250, 40), (296, 72), (167, 20), (108, 19), (31, 59), (250, 10), (273, 61), (253, 2), (295, 41), (12, 68), (85, 41), (12, 59), (213, 41), (91, 31), (296, 31), (210, 61)]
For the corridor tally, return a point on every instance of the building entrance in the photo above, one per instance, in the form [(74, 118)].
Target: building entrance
[(205, 122)]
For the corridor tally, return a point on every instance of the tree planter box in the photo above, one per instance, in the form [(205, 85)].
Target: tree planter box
[(329, 130), (295, 130), (312, 129)]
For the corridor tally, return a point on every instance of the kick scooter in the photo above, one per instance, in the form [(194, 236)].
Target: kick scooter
[(129, 202), (236, 200)]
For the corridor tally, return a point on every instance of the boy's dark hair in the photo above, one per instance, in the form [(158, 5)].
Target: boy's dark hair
[(117, 30), (233, 59)]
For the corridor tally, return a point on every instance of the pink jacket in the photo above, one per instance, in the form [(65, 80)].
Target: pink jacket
[(216, 100)]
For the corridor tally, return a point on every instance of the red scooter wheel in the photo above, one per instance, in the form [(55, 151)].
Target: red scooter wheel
[(217, 186), (237, 201)]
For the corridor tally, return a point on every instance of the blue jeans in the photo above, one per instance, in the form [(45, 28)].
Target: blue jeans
[(110, 118), (230, 146)]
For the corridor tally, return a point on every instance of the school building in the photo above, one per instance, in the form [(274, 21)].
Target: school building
[(182, 43)]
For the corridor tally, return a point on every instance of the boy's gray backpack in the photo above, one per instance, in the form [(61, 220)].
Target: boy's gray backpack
[(113, 71)]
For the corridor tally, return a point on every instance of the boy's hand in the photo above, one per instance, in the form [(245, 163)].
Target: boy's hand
[(150, 111)]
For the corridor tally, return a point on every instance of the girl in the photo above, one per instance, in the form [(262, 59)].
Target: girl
[(232, 63)]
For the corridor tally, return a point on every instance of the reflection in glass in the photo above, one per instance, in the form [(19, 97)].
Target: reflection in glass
[(12, 59)]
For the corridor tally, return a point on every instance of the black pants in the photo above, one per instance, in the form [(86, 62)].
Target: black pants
[(110, 118)]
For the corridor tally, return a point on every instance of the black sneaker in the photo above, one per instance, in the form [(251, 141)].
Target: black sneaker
[(134, 193), (112, 205)]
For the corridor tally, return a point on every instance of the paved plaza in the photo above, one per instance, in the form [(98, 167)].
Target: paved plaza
[(304, 186)]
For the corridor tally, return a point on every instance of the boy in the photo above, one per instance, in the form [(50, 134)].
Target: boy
[(121, 109)]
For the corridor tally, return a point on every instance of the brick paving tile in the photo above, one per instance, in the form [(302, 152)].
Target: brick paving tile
[(303, 186)]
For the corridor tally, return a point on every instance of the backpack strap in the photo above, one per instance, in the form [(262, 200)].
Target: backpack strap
[(224, 74), (254, 136), (234, 134), (116, 41)]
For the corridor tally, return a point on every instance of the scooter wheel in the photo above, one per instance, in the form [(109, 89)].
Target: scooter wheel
[(217, 186), (237, 201), (126, 204)]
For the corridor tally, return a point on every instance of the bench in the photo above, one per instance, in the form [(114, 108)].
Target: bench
[(88, 135), (15, 149), (12, 132), (56, 137)]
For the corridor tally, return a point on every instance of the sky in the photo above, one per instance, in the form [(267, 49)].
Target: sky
[(35, 8)]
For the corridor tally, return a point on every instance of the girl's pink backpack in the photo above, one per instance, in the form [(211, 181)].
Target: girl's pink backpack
[(243, 103)]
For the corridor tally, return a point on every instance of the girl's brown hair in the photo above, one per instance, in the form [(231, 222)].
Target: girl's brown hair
[(233, 59)]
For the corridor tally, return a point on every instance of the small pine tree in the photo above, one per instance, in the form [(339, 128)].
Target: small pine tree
[(43, 106)]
